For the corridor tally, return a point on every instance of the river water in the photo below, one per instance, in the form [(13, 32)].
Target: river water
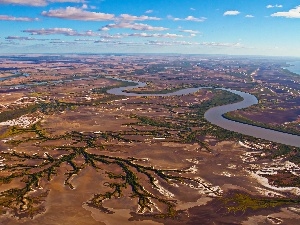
[(215, 115), (294, 67), (121, 90)]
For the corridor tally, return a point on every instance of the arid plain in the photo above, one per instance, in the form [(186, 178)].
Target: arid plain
[(70, 153)]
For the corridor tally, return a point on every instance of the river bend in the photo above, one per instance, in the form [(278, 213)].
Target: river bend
[(215, 115)]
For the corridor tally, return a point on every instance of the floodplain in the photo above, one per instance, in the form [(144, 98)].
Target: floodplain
[(70, 153)]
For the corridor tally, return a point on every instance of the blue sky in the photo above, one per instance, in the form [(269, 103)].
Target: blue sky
[(236, 27)]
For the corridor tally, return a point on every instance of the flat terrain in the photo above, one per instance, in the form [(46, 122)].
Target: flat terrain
[(72, 154)]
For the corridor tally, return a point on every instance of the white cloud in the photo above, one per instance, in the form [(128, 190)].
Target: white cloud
[(167, 35), (127, 17), (73, 13), (115, 36), (105, 29), (231, 13), (193, 9), (129, 43), (172, 18), (141, 35), (191, 31), (12, 18), (188, 18), (132, 26), (20, 38), (86, 33), (62, 31), (50, 31), (116, 43), (84, 40), (220, 44), (249, 16), (104, 41), (171, 43), (149, 11), (25, 2), (191, 18), (292, 13), (64, 42), (38, 2), (273, 6), (62, 1)]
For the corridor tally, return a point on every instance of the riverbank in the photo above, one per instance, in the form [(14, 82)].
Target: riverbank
[(215, 114)]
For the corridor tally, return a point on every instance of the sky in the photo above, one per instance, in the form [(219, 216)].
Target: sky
[(234, 27)]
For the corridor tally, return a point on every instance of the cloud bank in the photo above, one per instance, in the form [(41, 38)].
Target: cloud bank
[(231, 13), (188, 18), (38, 3), (132, 26), (73, 13), (292, 13), (22, 19), (273, 6)]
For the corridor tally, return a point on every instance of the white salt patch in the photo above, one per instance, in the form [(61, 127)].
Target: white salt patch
[(163, 191), (23, 121), (264, 181)]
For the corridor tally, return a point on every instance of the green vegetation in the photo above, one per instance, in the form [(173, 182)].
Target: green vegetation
[(44, 107), (194, 117), (103, 90), (164, 91), (51, 107), (154, 122), (241, 202), (290, 153), (171, 89), (14, 114), (220, 98), (242, 119), (27, 200), (284, 178)]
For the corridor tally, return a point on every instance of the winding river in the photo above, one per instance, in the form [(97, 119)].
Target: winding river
[(215, 114)]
